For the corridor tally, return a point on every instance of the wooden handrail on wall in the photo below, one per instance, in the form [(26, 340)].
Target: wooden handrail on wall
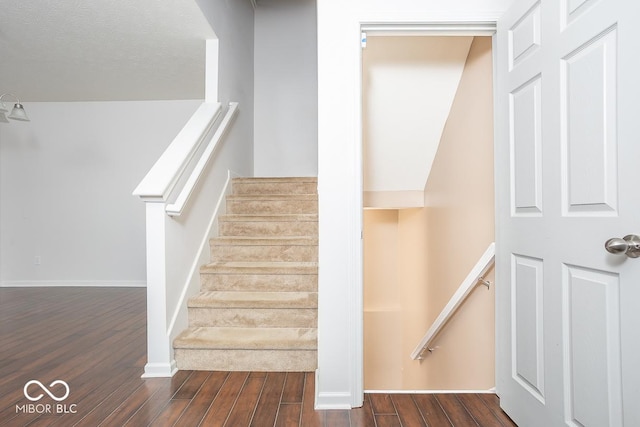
[(474, 278)]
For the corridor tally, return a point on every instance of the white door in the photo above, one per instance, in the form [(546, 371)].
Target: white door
[(567, 165)]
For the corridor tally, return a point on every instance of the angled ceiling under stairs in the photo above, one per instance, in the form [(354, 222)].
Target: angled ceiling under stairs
[(409, 85)]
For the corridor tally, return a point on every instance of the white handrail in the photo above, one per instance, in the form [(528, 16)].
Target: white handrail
[(166, 172), (474, 278), (175, 209)]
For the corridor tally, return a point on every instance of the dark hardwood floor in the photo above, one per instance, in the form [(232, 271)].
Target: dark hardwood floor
[(94, 340)]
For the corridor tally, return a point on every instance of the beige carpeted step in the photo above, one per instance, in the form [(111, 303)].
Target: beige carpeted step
[(275, 185), (272, 204), (254, 309), (265, 241), (248, 338), (268, 225), (271, 249), (258, 282), (247, 360), (260, 268), (266, 276), (221, 299), (254, 317), (247, 349)]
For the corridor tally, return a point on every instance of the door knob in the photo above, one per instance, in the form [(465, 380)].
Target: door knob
[(628, 245)]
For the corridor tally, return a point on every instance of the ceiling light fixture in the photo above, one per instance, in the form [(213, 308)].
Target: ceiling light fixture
[(17, 112)]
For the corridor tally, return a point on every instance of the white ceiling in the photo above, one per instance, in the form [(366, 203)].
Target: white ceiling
[(102, 50)]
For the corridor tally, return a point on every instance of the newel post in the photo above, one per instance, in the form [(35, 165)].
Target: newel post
[(160, 362)]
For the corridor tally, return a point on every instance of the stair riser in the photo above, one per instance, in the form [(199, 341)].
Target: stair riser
[(247, 360), (271, 207), (226, 253), (259, 282), (246, 188), (268, 228), (253, 300), (254, 317)]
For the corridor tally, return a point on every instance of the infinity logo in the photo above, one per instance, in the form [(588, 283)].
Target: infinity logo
[(46, 390)]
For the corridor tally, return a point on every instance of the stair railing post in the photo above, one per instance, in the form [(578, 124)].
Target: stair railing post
[(160, 362)]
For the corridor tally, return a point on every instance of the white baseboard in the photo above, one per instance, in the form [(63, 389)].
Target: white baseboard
[(490, 391), (160, 370), (73, 284), (328, 401), (331, 400)]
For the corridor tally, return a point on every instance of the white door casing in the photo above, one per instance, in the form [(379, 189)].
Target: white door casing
[(567, 315)]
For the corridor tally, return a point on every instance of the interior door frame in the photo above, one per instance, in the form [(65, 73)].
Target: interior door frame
[(484, 28)]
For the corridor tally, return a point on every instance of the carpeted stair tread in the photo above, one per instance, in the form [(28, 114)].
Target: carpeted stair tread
[(262, 204), (260, 226), (240, 299), (272, 197), (266, 218), (261, 268), (259, 282), (265, 241), (247, 338), (264, 253), (282, 186), (275, 179)]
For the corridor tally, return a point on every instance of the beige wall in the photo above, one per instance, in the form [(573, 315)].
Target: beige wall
[(415, 259), (383, 308)]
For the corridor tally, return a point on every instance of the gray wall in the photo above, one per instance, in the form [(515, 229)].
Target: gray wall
[(66, 179), (286, 89), (232, 21)]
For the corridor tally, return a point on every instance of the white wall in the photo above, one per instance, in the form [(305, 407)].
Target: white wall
[(66, 180), (340, 180), (286, 88)]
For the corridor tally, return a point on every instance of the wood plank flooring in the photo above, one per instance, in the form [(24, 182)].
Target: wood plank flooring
[(94, 340)]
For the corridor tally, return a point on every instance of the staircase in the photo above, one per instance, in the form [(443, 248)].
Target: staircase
[(257, 307)]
